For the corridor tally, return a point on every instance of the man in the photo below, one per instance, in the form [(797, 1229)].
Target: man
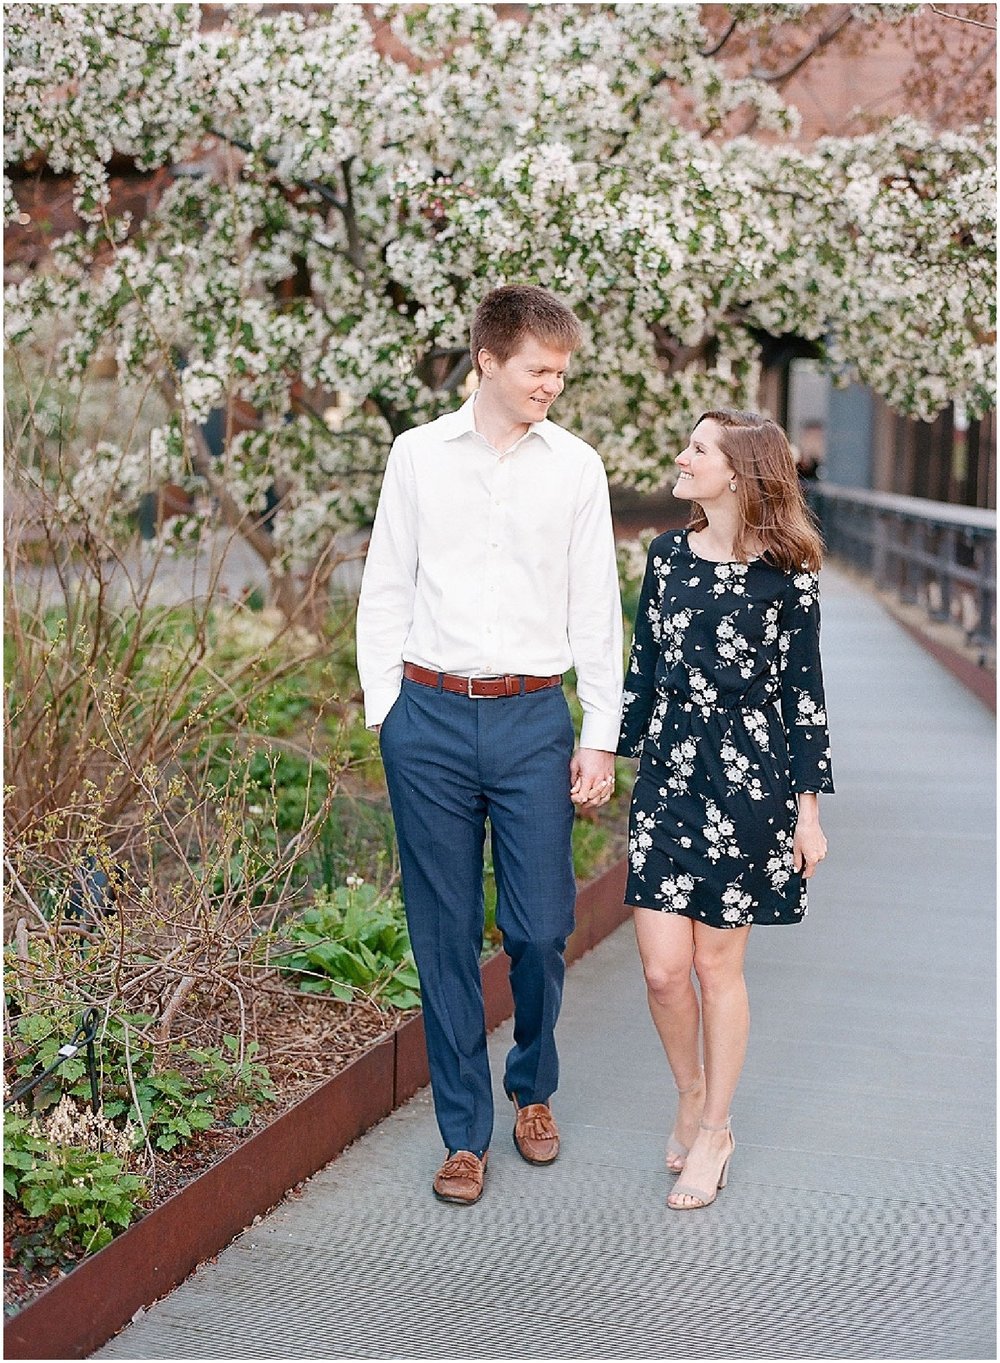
[(491, 570)]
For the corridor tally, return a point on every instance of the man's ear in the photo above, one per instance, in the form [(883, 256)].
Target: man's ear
[(487, 362)]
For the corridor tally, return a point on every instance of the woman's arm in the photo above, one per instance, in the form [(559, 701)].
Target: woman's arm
[(640, 676), (803, 711), (803, 705)]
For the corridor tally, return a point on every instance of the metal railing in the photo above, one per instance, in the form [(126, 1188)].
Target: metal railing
[(934, 554)]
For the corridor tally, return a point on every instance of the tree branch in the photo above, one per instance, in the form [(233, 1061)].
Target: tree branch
[(393, 419), (714, 51), (960, 18), (314, 186), (203, 464), (821, 41), (458, 372), (355, 249), (945, 105)]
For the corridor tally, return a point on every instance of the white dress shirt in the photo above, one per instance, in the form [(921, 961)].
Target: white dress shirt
[(483, 562)]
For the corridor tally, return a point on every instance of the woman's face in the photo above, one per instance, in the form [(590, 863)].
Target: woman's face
[(703, 471)]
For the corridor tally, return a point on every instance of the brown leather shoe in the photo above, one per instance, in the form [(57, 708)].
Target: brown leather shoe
[(535, 1133), (460, 1178)]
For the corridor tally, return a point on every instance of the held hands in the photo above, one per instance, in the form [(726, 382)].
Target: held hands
[(809, 844), (592, 777)]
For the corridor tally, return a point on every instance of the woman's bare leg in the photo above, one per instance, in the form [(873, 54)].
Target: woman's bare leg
[(718, 962), (666, 947), (719, 954)]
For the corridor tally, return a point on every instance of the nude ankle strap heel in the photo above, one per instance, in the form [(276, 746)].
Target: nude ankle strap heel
[(677, 1150), (705, 1199)]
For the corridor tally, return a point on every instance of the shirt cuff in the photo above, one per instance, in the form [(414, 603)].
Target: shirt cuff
[(600, 731), (378, 703)]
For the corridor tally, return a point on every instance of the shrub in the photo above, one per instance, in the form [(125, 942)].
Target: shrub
[(81, 1196), (353, 940)]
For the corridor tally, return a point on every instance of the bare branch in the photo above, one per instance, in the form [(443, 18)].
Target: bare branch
[(355, 247), (12, 873), (821, 41), (961, 18), (714, 51), (458, 373), (945, 105), (180, 993)]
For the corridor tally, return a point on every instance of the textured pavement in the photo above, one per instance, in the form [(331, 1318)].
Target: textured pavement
[(859, 1217)]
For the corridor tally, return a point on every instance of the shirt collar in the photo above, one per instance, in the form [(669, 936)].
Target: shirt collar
[(463, 422)]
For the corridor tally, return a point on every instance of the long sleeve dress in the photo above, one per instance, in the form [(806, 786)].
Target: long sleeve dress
[(724, 708)]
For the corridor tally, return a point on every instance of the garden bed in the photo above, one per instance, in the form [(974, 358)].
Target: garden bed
[(77, 1313), (303, 1041), (296, 994)]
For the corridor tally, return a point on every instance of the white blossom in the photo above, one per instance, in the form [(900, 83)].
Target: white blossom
[(548, 150)]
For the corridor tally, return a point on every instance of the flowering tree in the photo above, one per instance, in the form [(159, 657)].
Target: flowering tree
[(351, 207)]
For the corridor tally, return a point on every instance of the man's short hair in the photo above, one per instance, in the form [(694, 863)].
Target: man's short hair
[(508, 314)]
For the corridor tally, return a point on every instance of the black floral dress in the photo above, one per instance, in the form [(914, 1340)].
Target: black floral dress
[(724, 708)]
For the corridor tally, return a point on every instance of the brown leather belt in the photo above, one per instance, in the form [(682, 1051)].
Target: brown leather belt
[(479, 688)]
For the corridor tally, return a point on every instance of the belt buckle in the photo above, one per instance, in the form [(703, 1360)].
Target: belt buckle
[(471, 694)]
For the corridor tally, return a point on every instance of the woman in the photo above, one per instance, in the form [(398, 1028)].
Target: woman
[(724, 707)]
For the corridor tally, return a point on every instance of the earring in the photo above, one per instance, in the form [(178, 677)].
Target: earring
[(732, 486)]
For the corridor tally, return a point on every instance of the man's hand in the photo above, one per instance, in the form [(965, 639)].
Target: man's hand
[(592, 777)]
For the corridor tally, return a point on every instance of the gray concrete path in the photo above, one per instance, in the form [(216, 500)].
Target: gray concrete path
[(858, 1221)]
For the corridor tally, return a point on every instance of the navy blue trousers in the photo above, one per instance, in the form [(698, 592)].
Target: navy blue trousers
[(451, 762)]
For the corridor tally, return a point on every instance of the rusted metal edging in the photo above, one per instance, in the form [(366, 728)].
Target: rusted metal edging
[(80, 1312)]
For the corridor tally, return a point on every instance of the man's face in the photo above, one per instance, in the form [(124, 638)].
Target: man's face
[(525, 385)]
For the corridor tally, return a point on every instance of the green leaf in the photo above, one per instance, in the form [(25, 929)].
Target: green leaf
[(403, 998), (35, 1201)]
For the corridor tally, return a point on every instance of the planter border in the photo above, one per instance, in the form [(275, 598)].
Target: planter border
[(77, 1314)]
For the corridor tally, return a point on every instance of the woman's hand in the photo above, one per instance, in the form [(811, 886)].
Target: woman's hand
[(809, 843), (592, 777)]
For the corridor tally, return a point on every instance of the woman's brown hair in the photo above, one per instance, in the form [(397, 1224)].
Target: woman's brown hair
[(773, 512)]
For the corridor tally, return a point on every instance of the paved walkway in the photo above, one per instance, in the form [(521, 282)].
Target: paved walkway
[(858, 1218)]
